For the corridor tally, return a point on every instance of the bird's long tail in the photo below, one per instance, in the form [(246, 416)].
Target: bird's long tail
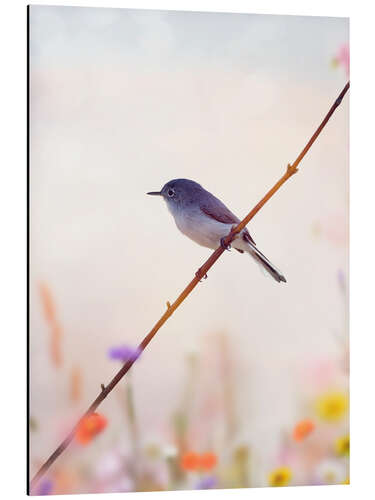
[(265, 263)]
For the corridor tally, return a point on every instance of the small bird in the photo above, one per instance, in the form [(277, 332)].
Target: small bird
[(202, 217)]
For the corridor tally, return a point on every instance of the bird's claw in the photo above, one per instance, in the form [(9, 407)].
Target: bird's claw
[(223, 245)]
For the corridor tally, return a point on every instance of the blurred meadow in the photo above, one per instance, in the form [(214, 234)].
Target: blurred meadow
[(247, 384)]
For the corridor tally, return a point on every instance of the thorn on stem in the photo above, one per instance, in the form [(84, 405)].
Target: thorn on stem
[(168, 304), (102, 386), (291, 169), (199, 275)]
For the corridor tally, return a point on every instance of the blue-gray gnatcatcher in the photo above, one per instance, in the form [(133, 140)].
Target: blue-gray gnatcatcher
[(207, 221)]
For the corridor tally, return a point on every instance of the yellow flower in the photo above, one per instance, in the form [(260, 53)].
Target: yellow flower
[(342, 445), (280, 476), (332, 406)]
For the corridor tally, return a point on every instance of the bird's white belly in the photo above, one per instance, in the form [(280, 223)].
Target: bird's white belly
[(202, 229)]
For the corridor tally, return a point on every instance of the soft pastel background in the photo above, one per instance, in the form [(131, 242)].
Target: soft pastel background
[(121, 101)]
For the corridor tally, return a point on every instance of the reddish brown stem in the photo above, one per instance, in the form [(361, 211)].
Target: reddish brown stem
[(291, 170)]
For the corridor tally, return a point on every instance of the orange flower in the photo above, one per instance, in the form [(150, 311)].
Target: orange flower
[(190, 461), (49, 310), (75, 384), (193, 461), (303, 429), (89, 427), (207, 461), (55, 345), (47, 302)]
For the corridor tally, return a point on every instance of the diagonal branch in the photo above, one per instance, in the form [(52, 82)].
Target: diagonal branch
[(291, 170)]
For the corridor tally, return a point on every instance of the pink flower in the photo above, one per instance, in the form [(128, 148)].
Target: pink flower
[(342, 58)]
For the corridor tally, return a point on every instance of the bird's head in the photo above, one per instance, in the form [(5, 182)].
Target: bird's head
[(179, 192)]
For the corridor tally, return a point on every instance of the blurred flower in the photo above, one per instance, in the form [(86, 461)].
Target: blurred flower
[(333, 227), (332, 406), (241, 460), (169, 451), (303, 429), (51, 318), (206, 483), (287, 452), (321, 373), (47, 302), (241, 453), (89, 427), (124, 353), (33, 424), (207, 461), (75, 384), (341, 278), (45, 487), (195, 461), (180, 422), (153, 450), (280, 477), (66, 479), (190, 461), (113, 471), (330, 472), (342, 445), (109, 465), (122, 485), (342, 58)]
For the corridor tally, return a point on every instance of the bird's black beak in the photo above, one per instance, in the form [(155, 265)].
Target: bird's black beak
[(155, 193)]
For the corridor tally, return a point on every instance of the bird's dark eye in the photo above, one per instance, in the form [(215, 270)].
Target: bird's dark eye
[(170, 192)]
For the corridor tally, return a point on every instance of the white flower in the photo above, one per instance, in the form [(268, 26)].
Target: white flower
[(169, 451), (331, 471), (109, 465)]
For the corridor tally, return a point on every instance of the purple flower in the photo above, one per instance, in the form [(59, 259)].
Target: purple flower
[(45, 487), (124, 353), (206, 483), (342, 280)]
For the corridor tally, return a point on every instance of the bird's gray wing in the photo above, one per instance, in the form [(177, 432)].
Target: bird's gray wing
[(215, 209)]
